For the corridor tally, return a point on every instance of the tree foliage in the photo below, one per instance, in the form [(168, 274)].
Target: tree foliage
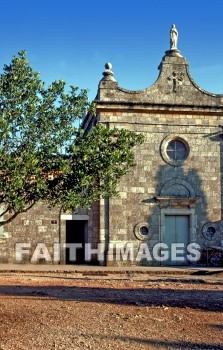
[(43, 154)]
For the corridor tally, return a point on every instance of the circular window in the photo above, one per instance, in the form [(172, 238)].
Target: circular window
[(174, 150), (142, 231), (210, 231)]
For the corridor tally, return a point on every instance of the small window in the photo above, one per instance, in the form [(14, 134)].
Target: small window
[(211, 231), (142, 231), (176, 150)]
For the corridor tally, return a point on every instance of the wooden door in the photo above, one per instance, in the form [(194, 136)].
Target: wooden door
[(176, 231)]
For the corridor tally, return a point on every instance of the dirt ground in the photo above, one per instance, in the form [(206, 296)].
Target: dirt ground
[(47, 311)]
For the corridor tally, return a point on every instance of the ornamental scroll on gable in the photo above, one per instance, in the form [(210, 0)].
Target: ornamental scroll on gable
[(174, 85)]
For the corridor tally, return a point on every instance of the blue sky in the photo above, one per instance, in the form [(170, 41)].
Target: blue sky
[(73, 39)]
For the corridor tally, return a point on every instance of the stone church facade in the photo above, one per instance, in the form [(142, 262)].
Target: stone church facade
[(172, 195)]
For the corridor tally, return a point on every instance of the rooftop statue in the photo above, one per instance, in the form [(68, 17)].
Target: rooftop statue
[(173, 38)]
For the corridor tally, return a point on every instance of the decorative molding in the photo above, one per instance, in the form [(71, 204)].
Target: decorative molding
[(170, 202), (177, 182)]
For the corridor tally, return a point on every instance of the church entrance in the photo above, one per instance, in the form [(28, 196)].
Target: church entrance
[(176, 231)]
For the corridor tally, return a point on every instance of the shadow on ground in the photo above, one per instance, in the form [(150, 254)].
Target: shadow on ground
[(198, 299), (179, 345)]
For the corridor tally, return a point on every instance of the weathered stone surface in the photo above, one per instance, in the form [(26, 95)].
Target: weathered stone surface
[(174, 107), (174, 88)]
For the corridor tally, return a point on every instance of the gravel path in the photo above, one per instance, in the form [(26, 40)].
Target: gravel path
[(132, 311)]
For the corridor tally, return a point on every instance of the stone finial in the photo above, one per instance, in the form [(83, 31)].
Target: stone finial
[(173, 37), (108, 74)]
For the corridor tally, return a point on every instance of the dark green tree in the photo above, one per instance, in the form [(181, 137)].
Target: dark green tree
[(43, 153)]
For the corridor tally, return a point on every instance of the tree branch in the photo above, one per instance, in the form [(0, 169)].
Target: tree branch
[(2, 223)]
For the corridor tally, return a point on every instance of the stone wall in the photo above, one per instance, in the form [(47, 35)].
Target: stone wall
[(47, 226), (174, 109), (39, 225), (201, 171)]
